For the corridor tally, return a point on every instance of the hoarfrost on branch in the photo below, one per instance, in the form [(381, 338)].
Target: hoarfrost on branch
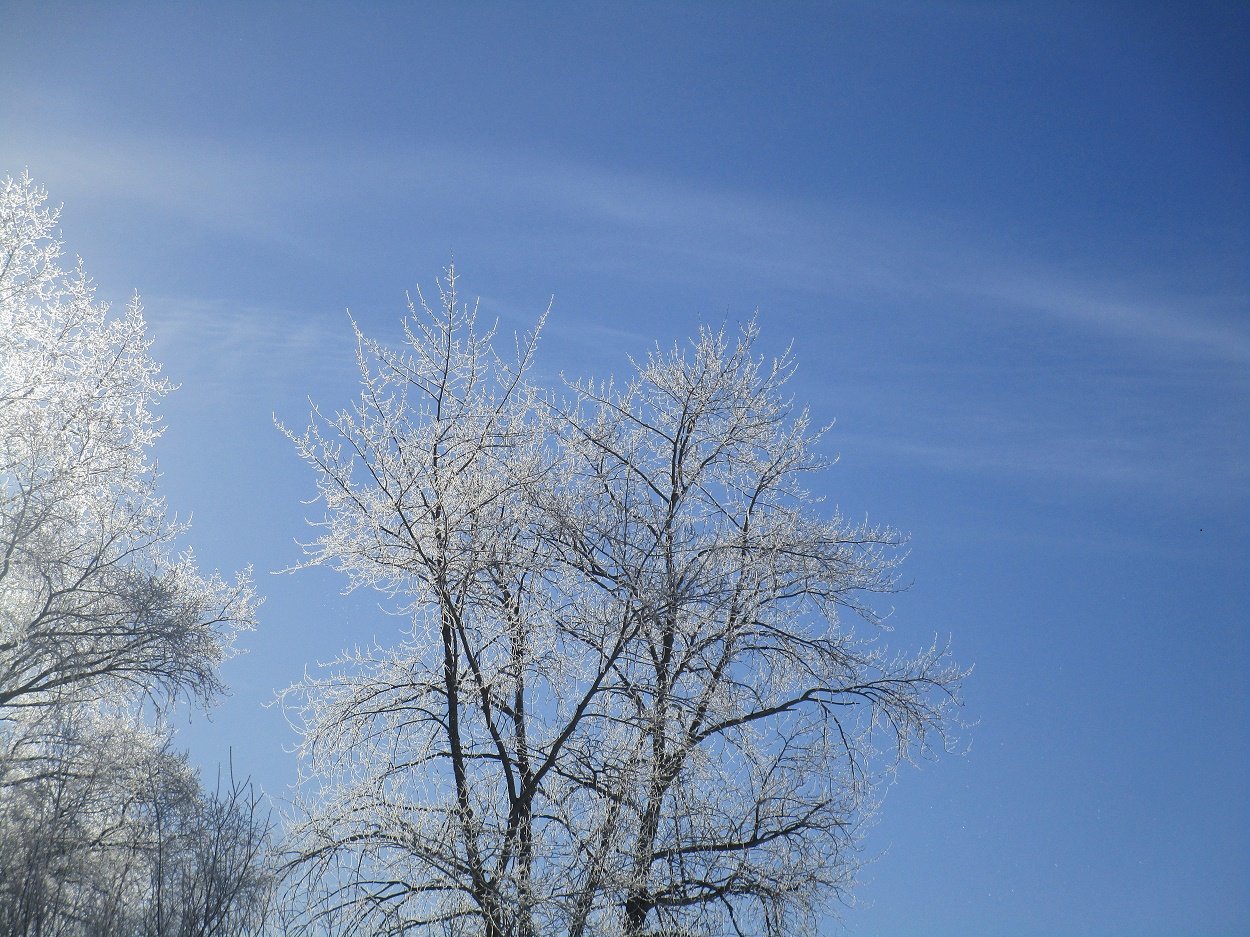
[(629, 699)]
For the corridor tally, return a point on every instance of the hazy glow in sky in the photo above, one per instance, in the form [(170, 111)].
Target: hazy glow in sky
[(1010, 241)]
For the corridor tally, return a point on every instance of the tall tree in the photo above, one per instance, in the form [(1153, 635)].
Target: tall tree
[(94, 601), (746, 714), (427, 811), (116, 835), (102, 623), (627, 702)]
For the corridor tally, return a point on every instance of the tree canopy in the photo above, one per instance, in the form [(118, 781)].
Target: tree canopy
[(629, 699), (103, 625)]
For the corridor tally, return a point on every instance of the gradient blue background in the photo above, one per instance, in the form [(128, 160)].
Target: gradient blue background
[(1010, 241)]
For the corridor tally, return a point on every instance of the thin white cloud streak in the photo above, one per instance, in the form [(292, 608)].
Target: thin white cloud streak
[(1177, 325), (648, 229), (1138, 432), (1096, 459), (203, 182), (625, 223), (257, 353)]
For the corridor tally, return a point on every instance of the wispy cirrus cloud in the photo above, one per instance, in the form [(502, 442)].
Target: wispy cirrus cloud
[(227, 352), (633, 224), (1216, 327)]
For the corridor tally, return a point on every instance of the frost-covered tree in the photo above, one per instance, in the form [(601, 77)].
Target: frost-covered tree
[(114, 834), (427, 807), (103, 624), (629, 700), (93, 600)]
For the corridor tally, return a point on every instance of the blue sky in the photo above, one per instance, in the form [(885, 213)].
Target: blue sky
[(1010, 241)]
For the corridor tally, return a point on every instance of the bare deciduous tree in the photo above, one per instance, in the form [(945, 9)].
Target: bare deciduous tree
[(428, 811), (114, 834), (92, 601), (102, 624), (628, 701)]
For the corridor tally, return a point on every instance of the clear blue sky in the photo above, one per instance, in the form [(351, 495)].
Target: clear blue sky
[(1011, 242)]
